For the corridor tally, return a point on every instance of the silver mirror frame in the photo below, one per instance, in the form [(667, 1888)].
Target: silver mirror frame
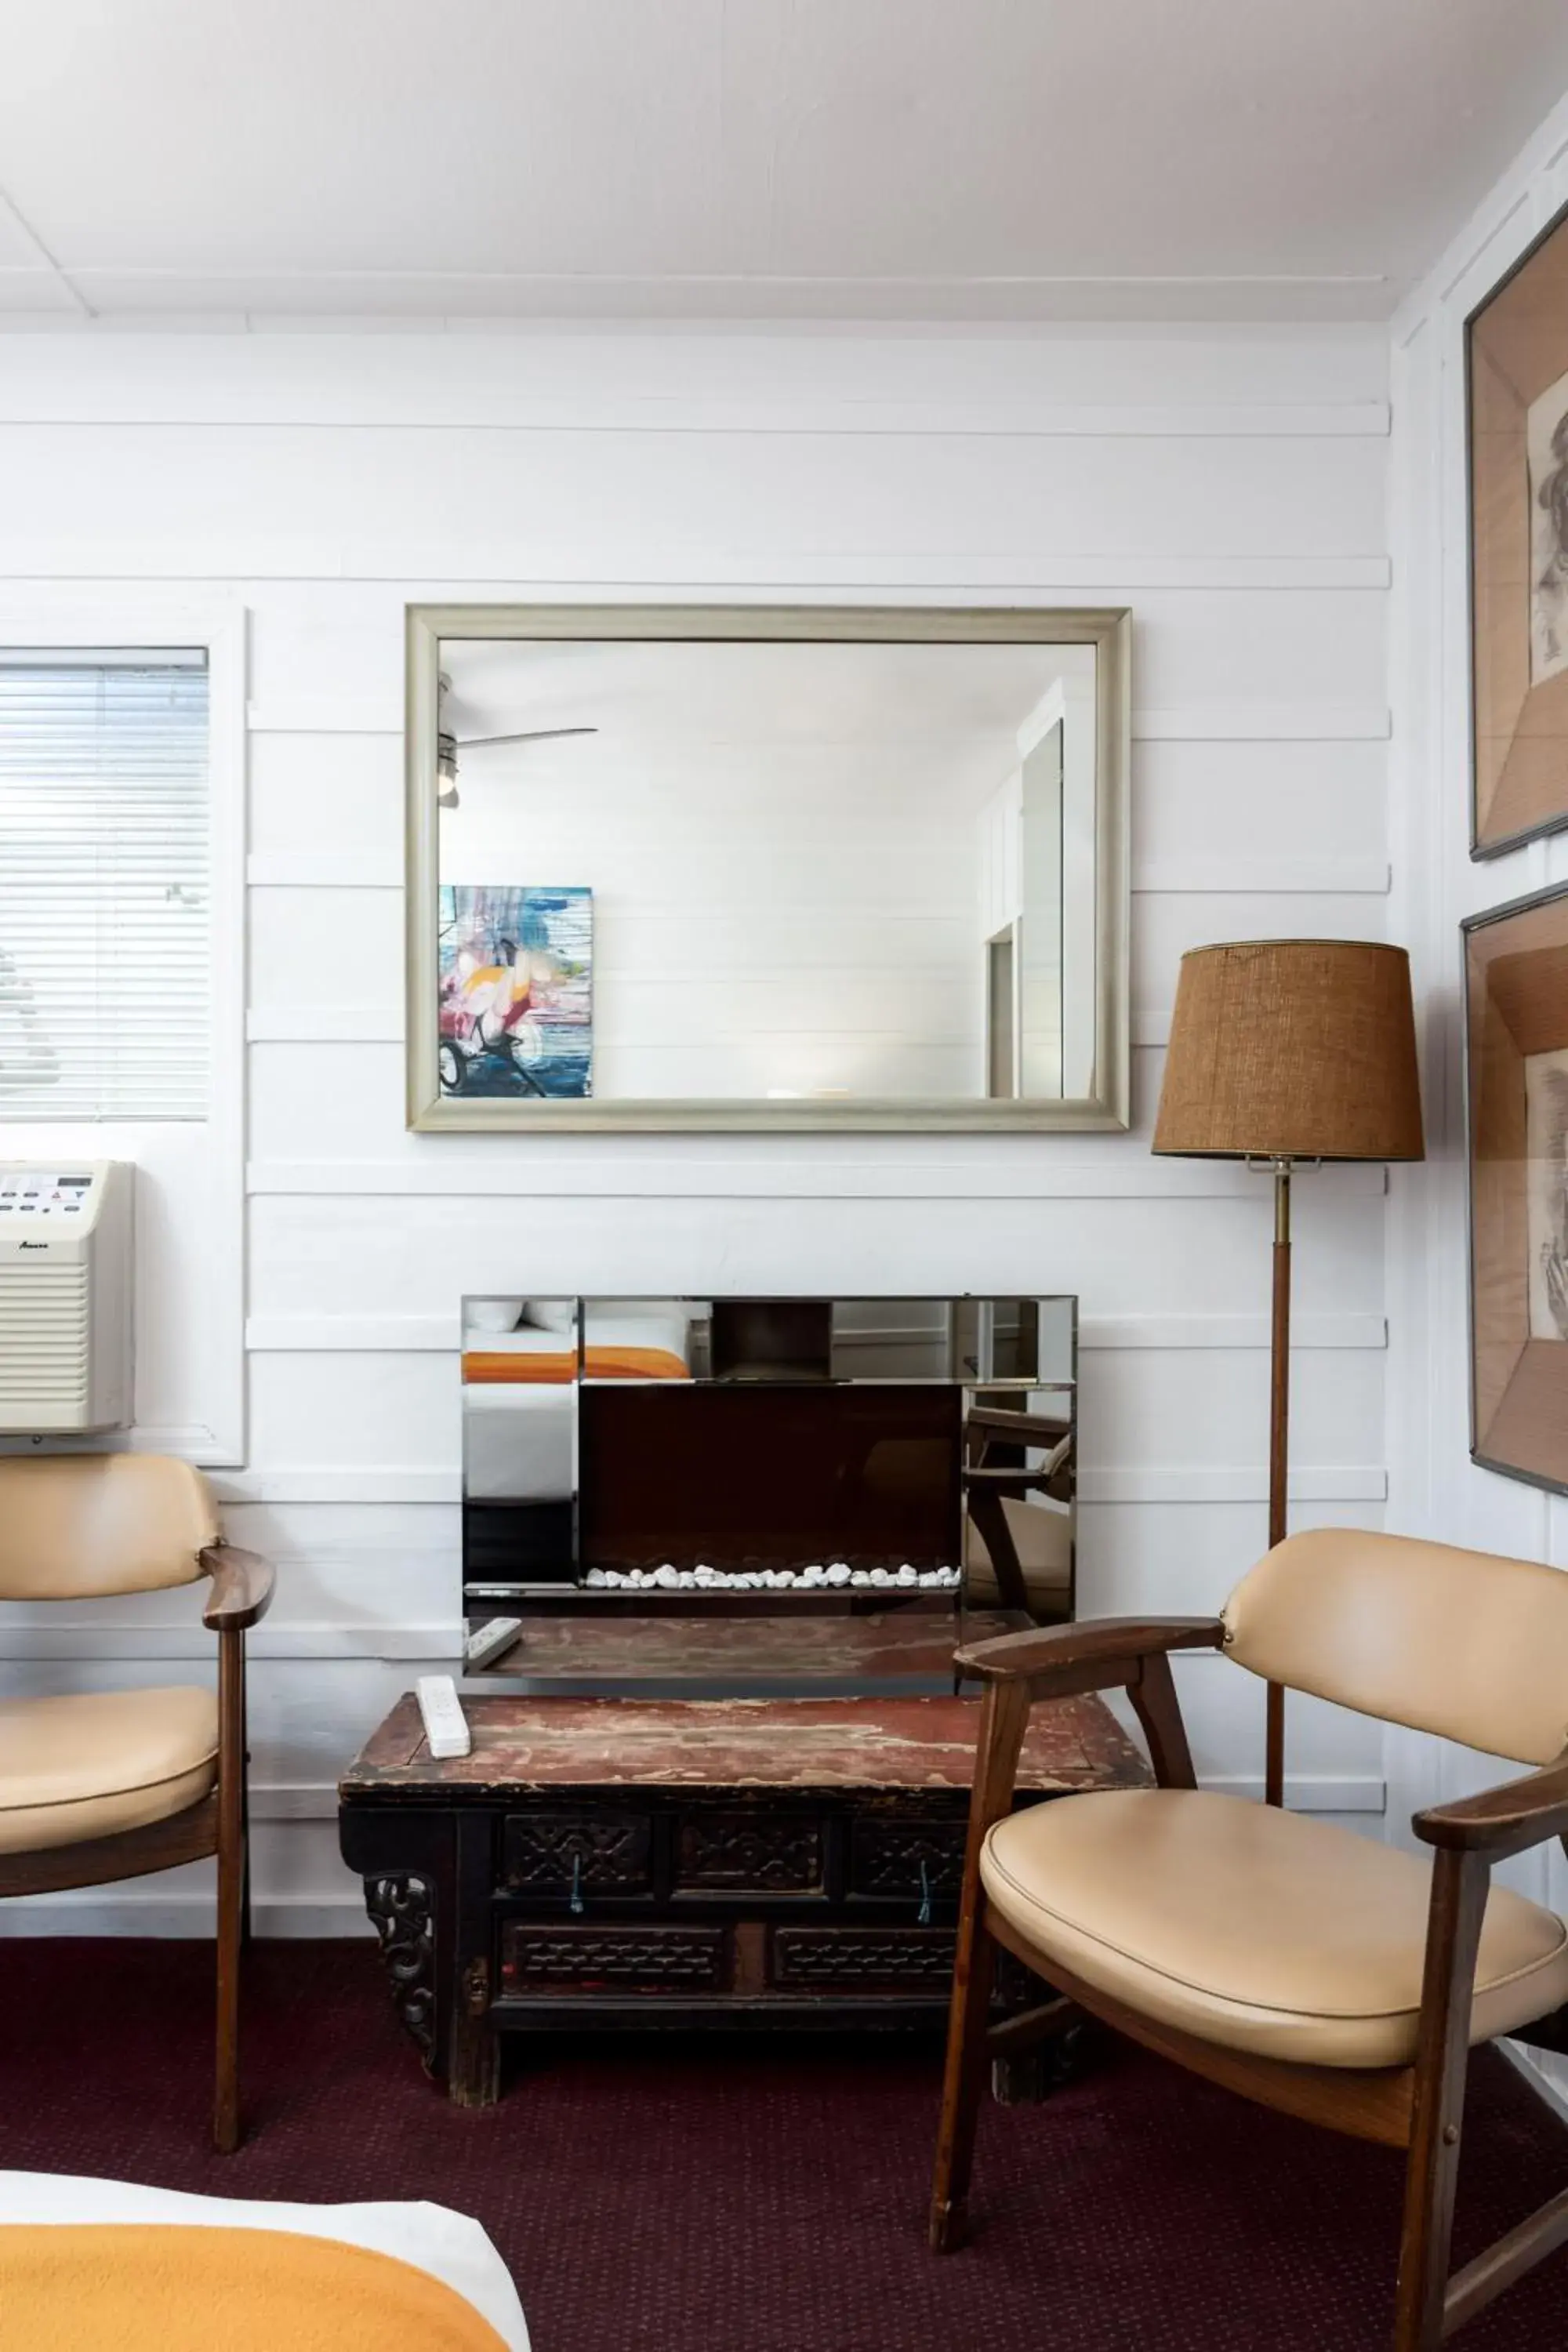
[(1108, 630)]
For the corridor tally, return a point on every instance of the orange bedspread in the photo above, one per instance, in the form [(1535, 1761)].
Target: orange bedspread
[(150, 2287), (553, 1367)]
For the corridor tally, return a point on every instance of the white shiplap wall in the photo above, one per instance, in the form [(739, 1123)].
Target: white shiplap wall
[(1228, 484), (702, 854), (1435, 1488)]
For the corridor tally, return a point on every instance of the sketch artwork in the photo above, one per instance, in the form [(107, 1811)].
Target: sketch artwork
[(1546, 442), (1546, 1150)]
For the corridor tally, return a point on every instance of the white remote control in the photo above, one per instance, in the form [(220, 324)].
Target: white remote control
[(445, 1725), (490, 1640)]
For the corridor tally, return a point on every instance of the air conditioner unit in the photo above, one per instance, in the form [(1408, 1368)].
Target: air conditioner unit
[(65, 1297)]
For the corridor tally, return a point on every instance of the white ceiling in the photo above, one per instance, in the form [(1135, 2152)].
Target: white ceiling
[(968, 697), (942, 160)]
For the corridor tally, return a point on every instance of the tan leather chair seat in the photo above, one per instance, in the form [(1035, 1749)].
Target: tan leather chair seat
[(1262, 1931), (1043, 1538), (88, 1763)]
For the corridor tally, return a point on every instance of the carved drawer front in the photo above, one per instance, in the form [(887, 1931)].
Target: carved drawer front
[(752, 1853), (910, 1859), (594, 1853), (862, 1959), (611, 1959)]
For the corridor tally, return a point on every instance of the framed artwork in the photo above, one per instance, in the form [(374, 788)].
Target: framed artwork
[(515, 969), (1516, 408), (1516, 1060)]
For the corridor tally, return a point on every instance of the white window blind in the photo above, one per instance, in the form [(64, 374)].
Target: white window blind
[(104, 955)]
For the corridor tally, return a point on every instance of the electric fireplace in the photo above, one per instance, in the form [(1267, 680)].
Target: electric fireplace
[(763, 1493)]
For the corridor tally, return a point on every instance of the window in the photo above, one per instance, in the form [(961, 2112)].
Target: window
[(105, 885)]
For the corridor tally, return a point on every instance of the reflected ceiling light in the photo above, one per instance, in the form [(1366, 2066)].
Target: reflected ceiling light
[(446, 770), (447, 746)]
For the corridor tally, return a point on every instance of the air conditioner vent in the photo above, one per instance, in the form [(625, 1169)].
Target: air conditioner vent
[(64, 1298)]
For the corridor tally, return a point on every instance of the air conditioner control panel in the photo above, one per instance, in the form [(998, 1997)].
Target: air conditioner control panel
[(66, 1194)]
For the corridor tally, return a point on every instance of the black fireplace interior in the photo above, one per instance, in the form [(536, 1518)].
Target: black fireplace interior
[(778, 1476)]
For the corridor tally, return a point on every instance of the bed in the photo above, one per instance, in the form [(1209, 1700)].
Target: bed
[(84, 2261), (518, 1386), (630, 1339)]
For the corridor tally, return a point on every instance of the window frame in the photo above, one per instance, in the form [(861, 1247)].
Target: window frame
[(218, 626)]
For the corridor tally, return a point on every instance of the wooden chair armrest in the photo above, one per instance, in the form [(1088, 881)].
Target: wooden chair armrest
[(982, 1474), (1057, 1662), (242, 1588), (1503, 1820), (1021, 1428), (1099, 1654)]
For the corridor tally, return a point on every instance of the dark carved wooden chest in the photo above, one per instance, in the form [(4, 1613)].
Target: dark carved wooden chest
[(620, 1863)]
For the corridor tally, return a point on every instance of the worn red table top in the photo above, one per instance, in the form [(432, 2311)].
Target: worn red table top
[(789, 1744), (646, 1646)]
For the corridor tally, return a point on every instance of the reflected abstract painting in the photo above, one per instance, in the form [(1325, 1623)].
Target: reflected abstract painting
[(516, 990)]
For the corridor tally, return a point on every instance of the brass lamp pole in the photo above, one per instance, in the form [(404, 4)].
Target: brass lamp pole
[(1285, 1053)]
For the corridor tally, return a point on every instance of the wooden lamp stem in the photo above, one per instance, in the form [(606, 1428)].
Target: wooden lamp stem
[(1279, 1453)]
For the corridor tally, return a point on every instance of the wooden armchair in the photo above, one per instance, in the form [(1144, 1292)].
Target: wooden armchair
[(990, 1483), (99, 1785), (1310, 1969)]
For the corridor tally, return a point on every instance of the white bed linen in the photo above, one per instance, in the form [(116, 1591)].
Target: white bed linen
[(520, 1444), (520, 1440), (448, 2245)]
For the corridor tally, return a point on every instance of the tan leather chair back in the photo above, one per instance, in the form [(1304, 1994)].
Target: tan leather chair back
[(74, 1526), (1463, 1644)]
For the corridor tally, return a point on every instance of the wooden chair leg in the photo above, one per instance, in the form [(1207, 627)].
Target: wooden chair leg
[(1004, 1715), (245, 1925), (1460, 1886), (230, 1923), (991, 1522), (232, 1846), (964, 2086)]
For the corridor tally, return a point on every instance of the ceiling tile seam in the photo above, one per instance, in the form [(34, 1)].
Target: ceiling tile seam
[(30, 236), (959, 279), (1353, 420)]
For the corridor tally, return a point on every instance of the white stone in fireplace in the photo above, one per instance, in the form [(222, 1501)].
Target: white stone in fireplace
[(836, 1575)]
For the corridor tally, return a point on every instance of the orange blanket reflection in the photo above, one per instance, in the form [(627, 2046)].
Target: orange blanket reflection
[(551, 1368), (148, 2287)]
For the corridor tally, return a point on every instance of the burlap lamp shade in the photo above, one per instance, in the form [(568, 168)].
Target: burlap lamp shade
[(1292, 1049), (1283, 1051)]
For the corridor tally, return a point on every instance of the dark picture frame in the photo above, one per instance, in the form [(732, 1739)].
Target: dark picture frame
[(1516, 1122), (1516, 427)]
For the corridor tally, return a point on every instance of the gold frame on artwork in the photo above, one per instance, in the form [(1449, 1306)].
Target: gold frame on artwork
[(1516, 423), (1516, 1071)]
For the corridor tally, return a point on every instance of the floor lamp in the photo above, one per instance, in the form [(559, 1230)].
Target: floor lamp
[(1285, 1053)]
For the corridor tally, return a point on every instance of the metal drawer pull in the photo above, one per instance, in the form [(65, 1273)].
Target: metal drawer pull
[(577, 1903), (924, 1916)]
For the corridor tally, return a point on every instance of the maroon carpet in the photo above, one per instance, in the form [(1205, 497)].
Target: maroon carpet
[(666, 2196)]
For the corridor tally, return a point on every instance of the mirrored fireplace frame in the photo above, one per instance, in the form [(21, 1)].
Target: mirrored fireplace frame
[(1108, 630), (763, 1493)]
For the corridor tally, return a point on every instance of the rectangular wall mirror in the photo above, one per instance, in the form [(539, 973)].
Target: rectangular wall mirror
[(763, 1490), (745, 868)]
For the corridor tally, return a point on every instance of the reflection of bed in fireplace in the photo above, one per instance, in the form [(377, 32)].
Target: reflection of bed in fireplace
[(519, 1416)]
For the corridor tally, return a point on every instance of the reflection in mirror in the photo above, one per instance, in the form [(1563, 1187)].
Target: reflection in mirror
[(769, 1485), (803, 872)]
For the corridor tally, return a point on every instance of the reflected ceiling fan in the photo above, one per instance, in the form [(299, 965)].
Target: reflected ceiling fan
[(448, 745)]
